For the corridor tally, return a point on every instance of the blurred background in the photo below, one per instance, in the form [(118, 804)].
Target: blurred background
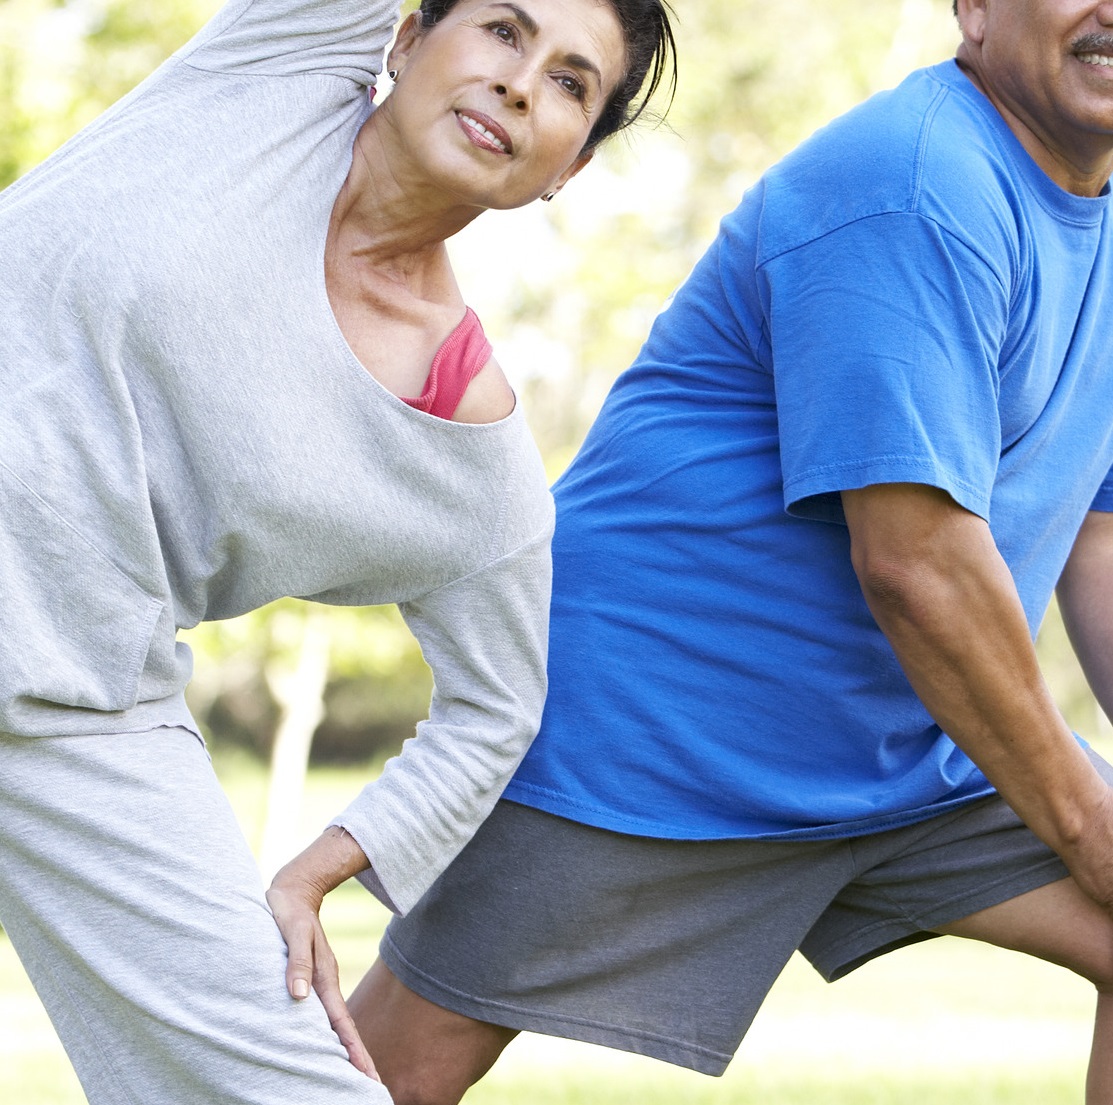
[(567, 292)]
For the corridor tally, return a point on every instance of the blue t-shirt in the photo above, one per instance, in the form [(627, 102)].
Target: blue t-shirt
[(906, 298)]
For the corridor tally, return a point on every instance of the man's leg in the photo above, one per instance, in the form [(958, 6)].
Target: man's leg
[(425, 1054), (1061, 924), (658, 947)]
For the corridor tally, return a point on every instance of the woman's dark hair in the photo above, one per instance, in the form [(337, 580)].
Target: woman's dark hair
[(650, 59)]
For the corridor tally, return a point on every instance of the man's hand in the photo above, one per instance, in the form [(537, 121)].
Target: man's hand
[(295, 898), (1090, 858)]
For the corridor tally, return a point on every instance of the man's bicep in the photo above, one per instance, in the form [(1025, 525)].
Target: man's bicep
[(906, 520)]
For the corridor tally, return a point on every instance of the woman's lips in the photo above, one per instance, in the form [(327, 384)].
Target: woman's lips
[(486, 129)]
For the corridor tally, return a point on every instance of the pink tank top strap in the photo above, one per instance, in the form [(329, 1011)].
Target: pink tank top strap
[(464, 352)]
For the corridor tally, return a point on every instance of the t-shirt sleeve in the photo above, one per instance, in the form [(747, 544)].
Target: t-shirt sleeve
[(886, 335), (486, 639), (344, 38), (1103, 500)]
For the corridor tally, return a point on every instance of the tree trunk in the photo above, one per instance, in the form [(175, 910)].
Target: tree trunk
[(299, 693)]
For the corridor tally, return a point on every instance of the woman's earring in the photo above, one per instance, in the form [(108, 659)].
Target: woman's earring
[(392, 74), (548, 197)]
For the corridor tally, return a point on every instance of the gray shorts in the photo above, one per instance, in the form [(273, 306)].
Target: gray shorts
[(667, 948)]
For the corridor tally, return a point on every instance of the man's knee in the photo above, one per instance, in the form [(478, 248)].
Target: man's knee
[(426, 1055), (412, 1086), (1101, 971), (440, 1075)]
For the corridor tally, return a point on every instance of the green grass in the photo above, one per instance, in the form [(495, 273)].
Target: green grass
[(884, 1088), (941, 1023)]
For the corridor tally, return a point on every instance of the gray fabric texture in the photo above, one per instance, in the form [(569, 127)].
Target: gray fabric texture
[(136, 907), (185, 434), (667, 948)]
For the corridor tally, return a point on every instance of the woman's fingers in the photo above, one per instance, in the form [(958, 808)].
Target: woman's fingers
[(345, 1029), (297, 923), (312, 965), (326, 981)]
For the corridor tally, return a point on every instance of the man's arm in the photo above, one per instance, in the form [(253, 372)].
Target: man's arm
[(1086, 602), (944, 597)]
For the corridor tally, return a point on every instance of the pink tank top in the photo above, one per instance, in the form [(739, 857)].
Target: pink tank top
[(464, 352)]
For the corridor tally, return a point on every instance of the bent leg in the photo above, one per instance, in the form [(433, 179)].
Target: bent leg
[(1061, 924), (542, 924), (136, 907), (426, 1055)]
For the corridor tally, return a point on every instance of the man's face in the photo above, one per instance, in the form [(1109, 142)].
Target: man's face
[(1047, 65)]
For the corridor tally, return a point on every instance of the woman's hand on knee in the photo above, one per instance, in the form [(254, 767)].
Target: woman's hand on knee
[(295, 898)]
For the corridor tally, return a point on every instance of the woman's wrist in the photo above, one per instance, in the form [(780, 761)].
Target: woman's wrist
[(333, 858)]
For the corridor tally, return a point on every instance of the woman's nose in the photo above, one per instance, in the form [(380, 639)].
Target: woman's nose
[(514, 87)]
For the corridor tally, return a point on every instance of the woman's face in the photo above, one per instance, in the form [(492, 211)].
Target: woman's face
[(496, 101)]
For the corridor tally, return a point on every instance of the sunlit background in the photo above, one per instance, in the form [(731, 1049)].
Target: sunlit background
[(567, 292)]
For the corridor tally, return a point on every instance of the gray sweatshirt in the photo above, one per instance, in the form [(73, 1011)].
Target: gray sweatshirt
[(185, 434)]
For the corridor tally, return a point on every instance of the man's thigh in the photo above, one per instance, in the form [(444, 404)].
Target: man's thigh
[(1057, 922), (659, 947), (137, 909), (981, 863)]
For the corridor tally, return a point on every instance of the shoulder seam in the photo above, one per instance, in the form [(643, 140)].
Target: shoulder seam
[(921, 145)]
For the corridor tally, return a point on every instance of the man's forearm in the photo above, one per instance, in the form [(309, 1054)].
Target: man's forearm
[(945, 599)]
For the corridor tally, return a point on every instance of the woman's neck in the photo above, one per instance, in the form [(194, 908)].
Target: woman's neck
[(387, 217)]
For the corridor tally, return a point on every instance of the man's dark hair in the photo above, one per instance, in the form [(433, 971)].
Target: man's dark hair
[(650, 59)]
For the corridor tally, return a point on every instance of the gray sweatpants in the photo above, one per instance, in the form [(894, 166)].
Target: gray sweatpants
[(137, 909)]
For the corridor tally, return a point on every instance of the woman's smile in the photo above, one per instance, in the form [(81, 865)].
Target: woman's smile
[(485, 132)]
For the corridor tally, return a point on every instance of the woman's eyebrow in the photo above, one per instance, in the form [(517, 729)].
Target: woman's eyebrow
[(531, 26), (527, 21)]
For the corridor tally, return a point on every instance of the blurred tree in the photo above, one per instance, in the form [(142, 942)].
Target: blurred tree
[(296, 677)]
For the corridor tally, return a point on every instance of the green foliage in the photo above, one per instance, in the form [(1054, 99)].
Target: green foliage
[(379, 684)]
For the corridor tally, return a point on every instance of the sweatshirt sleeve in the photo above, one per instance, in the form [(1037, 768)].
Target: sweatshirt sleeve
[(485, 637), (343, 38)]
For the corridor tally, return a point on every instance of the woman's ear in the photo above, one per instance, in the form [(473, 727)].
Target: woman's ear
[(580, 162), (409, 33)]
